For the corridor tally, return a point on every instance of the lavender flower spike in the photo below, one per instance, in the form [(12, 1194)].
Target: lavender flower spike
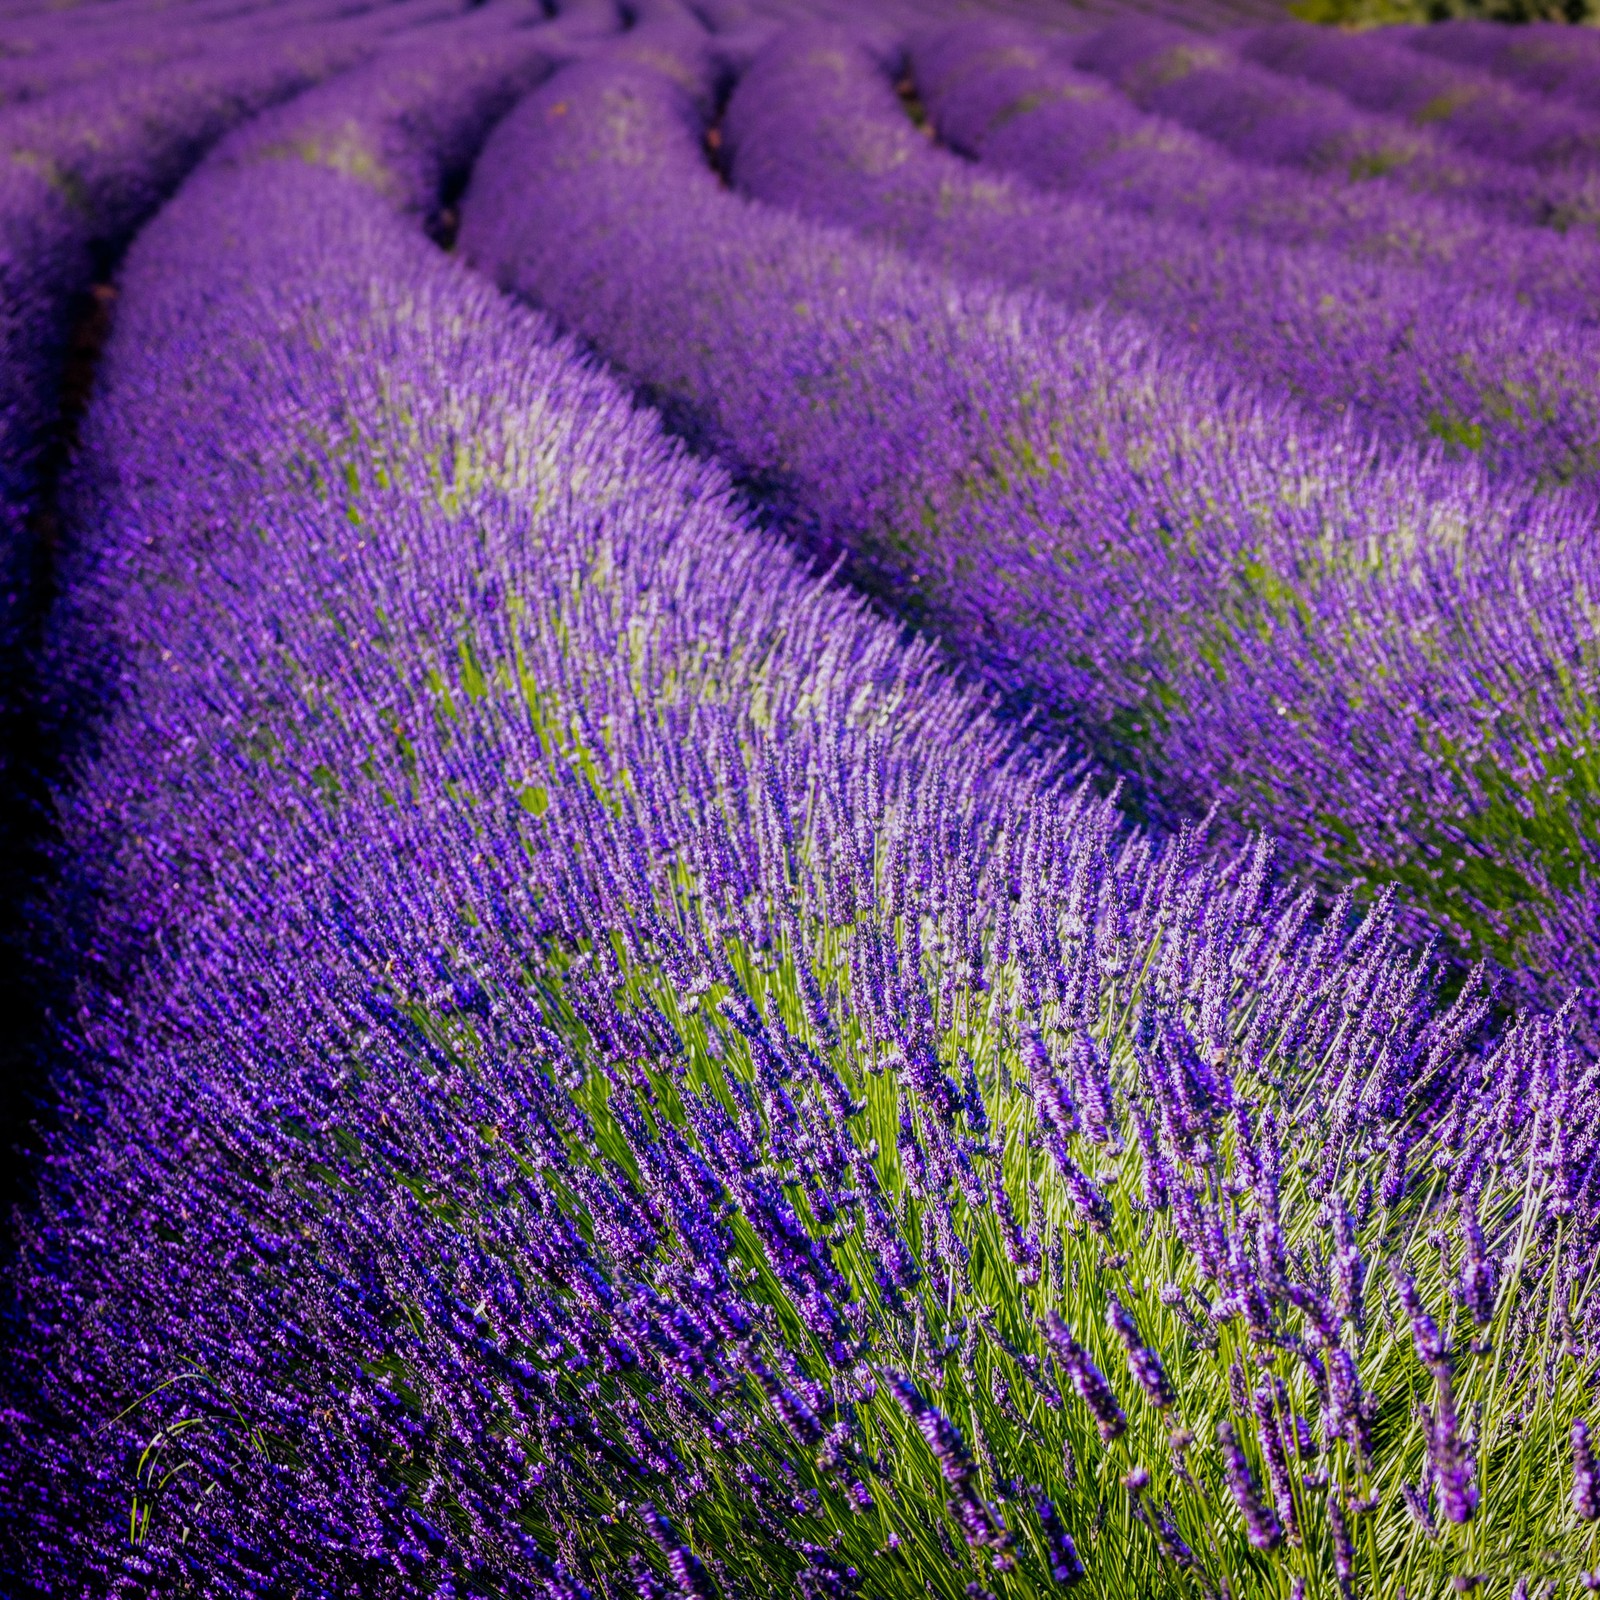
[(1425, 1332), (1452, 1467), (1087, 1379), (1261, 1524), (942, 1436), (1344, 1556), (1585, 1492), (1060, 1552), (689, 1576), (1143, 1362)]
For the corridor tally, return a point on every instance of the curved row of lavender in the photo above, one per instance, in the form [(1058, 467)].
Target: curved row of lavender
[(1207, 85), (1470, 108), (815, 126), (79, 170), (600, 1071), (1376, 657), (47, 61), (1001, 92), (1561, 63)]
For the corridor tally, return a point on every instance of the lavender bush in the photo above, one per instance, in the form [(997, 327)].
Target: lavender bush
[(814, 125), (1375, 656), (1000, 92), (641, 1086)]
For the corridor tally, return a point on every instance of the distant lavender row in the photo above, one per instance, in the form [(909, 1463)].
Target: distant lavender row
[(1544, 59), (628, 1083), (998, 91), (1472, 109), (1379, 659), (814, 125), (1259, 116), (80, 55), (78, 172)]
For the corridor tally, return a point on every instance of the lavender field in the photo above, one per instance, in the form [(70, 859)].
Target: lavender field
[(801, 798)]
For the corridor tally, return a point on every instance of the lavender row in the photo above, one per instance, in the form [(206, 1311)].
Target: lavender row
[(1559, 62), (79, 56), (1002, 93), (1205, 84), (642, 1087), (1206, 590), (815, 126), (1471, 109), (78, 172)]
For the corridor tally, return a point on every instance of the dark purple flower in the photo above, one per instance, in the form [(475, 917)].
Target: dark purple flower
[(1143, 1362), (1585, 1493), (1087, 1379), (1061, 1554), (1261, 1525)]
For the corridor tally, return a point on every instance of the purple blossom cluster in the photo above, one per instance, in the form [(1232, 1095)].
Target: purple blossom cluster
[(598, 1066), (1205, 588)]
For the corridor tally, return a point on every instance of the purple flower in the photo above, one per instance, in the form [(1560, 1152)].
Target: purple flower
[(1585, 1494), (1344, 1555), (1275, 1430), (1061, 1554), (1479, 1272), (940, 1434), (1087, 1379), (1452, 1468), (1261, 1525), (1143, 1362)]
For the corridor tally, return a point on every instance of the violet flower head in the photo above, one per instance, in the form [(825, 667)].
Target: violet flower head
[(1416, 1499), (1453, 1469), (941, 1434), (1478, 1270), (1261, 1524), (1090, 1382), (1344, 1554), (1585, 1489), (690, 1579), (1275, 1429), (1348, 1269), (1061, 1554), (1425, 1332), (1143, 1362)]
